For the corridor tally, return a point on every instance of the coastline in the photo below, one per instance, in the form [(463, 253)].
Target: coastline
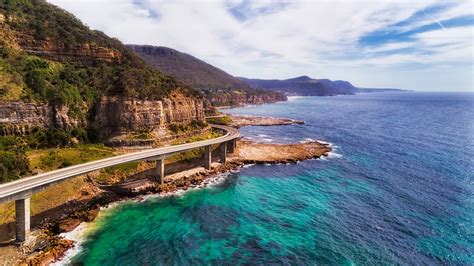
[(80, 233), (76, 225), (62, 236)]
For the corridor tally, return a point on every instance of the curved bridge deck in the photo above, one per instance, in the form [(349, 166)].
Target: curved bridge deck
[(22, 189)]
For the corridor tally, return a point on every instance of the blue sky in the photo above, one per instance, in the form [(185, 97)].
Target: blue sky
[(421, 45)]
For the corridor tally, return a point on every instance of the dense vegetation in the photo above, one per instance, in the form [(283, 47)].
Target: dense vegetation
[(67, 73), (220, 120), (13, 149)]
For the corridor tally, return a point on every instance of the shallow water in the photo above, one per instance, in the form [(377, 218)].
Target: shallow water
[(399, 189)]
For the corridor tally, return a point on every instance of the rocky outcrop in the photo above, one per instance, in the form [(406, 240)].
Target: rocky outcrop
[(18, 118), (264, 153), (113, 115), (119, 115), (248, 120), (29, 113), (54, 49), (58, 51)]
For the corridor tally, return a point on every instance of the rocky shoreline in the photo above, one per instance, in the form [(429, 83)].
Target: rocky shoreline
[(248, 120), (49, 246)]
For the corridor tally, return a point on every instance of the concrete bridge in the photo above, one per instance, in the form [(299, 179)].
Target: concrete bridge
[(21, 190)]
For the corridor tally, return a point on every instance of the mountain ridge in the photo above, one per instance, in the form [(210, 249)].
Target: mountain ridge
[(307, 86), (218, 86), (304, 85)]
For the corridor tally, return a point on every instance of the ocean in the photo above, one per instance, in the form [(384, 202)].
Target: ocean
[(397, 189)]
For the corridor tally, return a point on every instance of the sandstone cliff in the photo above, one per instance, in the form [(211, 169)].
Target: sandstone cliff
[(119, 115), (19, 118), (112, 114)]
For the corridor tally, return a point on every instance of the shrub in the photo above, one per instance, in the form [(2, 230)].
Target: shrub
[(13, 164), (224, 120)]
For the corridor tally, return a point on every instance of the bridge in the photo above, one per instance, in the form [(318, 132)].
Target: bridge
[(21, 190)]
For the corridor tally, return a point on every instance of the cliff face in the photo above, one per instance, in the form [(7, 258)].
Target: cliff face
[(19, 118), (57, 51), (118, 115), (113, 115)]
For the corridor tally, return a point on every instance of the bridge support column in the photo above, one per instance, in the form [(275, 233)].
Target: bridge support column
[(231, 145), (208, 157), (22, 212), (223, 152), (160, 171)]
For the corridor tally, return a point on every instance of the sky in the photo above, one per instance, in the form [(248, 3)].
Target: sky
[(418, 45)]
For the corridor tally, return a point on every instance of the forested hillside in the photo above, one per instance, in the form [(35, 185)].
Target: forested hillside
[(62, 83), (219, 87)]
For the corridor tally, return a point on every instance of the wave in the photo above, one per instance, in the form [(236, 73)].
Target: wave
[(80, 233), (291, 98), (77, 235), (306, 140), (333, 154)]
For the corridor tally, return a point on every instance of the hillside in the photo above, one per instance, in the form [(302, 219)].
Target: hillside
[(41, 41), (62, 83), (304, 86), (219, 87)]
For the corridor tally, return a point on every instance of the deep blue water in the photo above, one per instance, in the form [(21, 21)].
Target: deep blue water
[(399, 190)]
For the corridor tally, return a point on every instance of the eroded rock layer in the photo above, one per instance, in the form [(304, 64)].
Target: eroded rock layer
[(117, 115)]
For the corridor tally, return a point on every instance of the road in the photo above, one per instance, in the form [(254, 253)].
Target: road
[(16, 189)]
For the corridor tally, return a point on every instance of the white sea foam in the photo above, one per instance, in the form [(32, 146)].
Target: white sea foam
[(248, 165), (306, 140), (325, 142), (77, 235), (80, 233), (291, 98), (334, 155)]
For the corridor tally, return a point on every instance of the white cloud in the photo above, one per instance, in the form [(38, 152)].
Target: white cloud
[(299, 37)]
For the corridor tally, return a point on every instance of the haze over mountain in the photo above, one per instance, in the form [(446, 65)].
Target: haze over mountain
[(304, 85), (218, 86)]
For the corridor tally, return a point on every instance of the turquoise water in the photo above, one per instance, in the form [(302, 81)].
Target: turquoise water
[(399, 189)]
